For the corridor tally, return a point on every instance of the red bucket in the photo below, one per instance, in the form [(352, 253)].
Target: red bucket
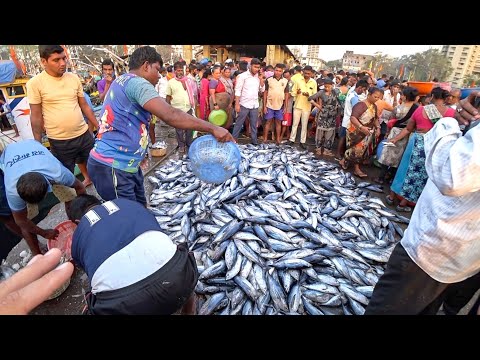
[(64, 239)]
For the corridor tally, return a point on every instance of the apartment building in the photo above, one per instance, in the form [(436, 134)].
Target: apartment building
[(313, 52), (465, 60)]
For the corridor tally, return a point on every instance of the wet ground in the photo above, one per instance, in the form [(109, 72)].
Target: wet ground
[(71, 301)]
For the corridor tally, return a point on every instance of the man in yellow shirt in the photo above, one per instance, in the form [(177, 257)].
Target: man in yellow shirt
[(303, 88), (56, 104)]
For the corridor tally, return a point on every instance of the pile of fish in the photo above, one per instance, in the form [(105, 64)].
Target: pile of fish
[(288, 234)]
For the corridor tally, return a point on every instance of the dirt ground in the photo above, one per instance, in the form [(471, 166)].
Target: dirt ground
[(71, 301)]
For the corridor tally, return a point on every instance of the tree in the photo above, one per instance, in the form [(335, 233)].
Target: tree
[(379, 64), (428, 65), (471, 80), (165, 52), (337, 64)]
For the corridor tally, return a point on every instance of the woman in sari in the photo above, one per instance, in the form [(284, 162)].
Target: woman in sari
[(391, 155), (203, 94), (364, 127), (221, 92), (411, 175)]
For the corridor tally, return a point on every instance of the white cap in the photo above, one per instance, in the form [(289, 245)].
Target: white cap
[(228, 61)]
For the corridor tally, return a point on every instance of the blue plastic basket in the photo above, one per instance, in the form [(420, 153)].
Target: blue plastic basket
[(213, 161), (467, 91)]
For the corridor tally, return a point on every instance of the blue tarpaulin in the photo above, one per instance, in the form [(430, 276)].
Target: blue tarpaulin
[(8, 70)]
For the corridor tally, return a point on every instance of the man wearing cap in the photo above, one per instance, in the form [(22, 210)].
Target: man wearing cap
[(29, 172)]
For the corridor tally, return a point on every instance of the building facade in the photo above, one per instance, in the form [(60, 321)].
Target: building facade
[(313, 51), (316, 63), (355, 62), (465, 60), (271, 54)]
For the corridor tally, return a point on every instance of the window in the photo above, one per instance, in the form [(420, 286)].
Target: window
[(15, 90)]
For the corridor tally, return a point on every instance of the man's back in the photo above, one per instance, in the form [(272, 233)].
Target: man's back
[(119, 243), (123, 130), (30, 156), (443, 239)]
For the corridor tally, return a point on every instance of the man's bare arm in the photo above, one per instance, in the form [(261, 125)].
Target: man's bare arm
[(36, 118)]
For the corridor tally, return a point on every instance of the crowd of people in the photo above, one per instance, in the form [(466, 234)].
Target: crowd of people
[(415, 140)]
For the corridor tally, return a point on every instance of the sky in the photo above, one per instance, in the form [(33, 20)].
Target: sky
[(334, 52)]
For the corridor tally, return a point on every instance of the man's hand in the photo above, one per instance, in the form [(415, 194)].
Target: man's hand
[(222, 135), (466, 112), (237, 108), (108, 79), (265, 111), (50, 234), (32, 285), (377, 133)]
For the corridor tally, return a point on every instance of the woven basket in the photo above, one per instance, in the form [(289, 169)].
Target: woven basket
[(158, 152)]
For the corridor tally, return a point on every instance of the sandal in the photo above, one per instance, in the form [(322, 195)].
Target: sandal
[(343, 164), (379, 181), (389, 200), (406, 209)]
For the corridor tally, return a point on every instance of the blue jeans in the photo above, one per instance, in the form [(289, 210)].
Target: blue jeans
[(253, 116)]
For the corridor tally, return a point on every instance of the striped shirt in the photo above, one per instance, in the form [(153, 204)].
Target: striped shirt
[(443, 238)]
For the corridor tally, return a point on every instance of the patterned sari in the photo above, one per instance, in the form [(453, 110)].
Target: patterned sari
[(357, 141), (392, 155), (411, 176)]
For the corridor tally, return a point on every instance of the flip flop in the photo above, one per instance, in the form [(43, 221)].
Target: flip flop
[(389, 200), (406, 209)]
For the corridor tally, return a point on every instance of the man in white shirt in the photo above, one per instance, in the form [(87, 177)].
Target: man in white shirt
[(161, 87), (162, 83), (247, 88), (440, 248), (391, 97)]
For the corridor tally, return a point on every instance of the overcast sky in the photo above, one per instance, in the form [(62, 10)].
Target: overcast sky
[(334, 52)]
